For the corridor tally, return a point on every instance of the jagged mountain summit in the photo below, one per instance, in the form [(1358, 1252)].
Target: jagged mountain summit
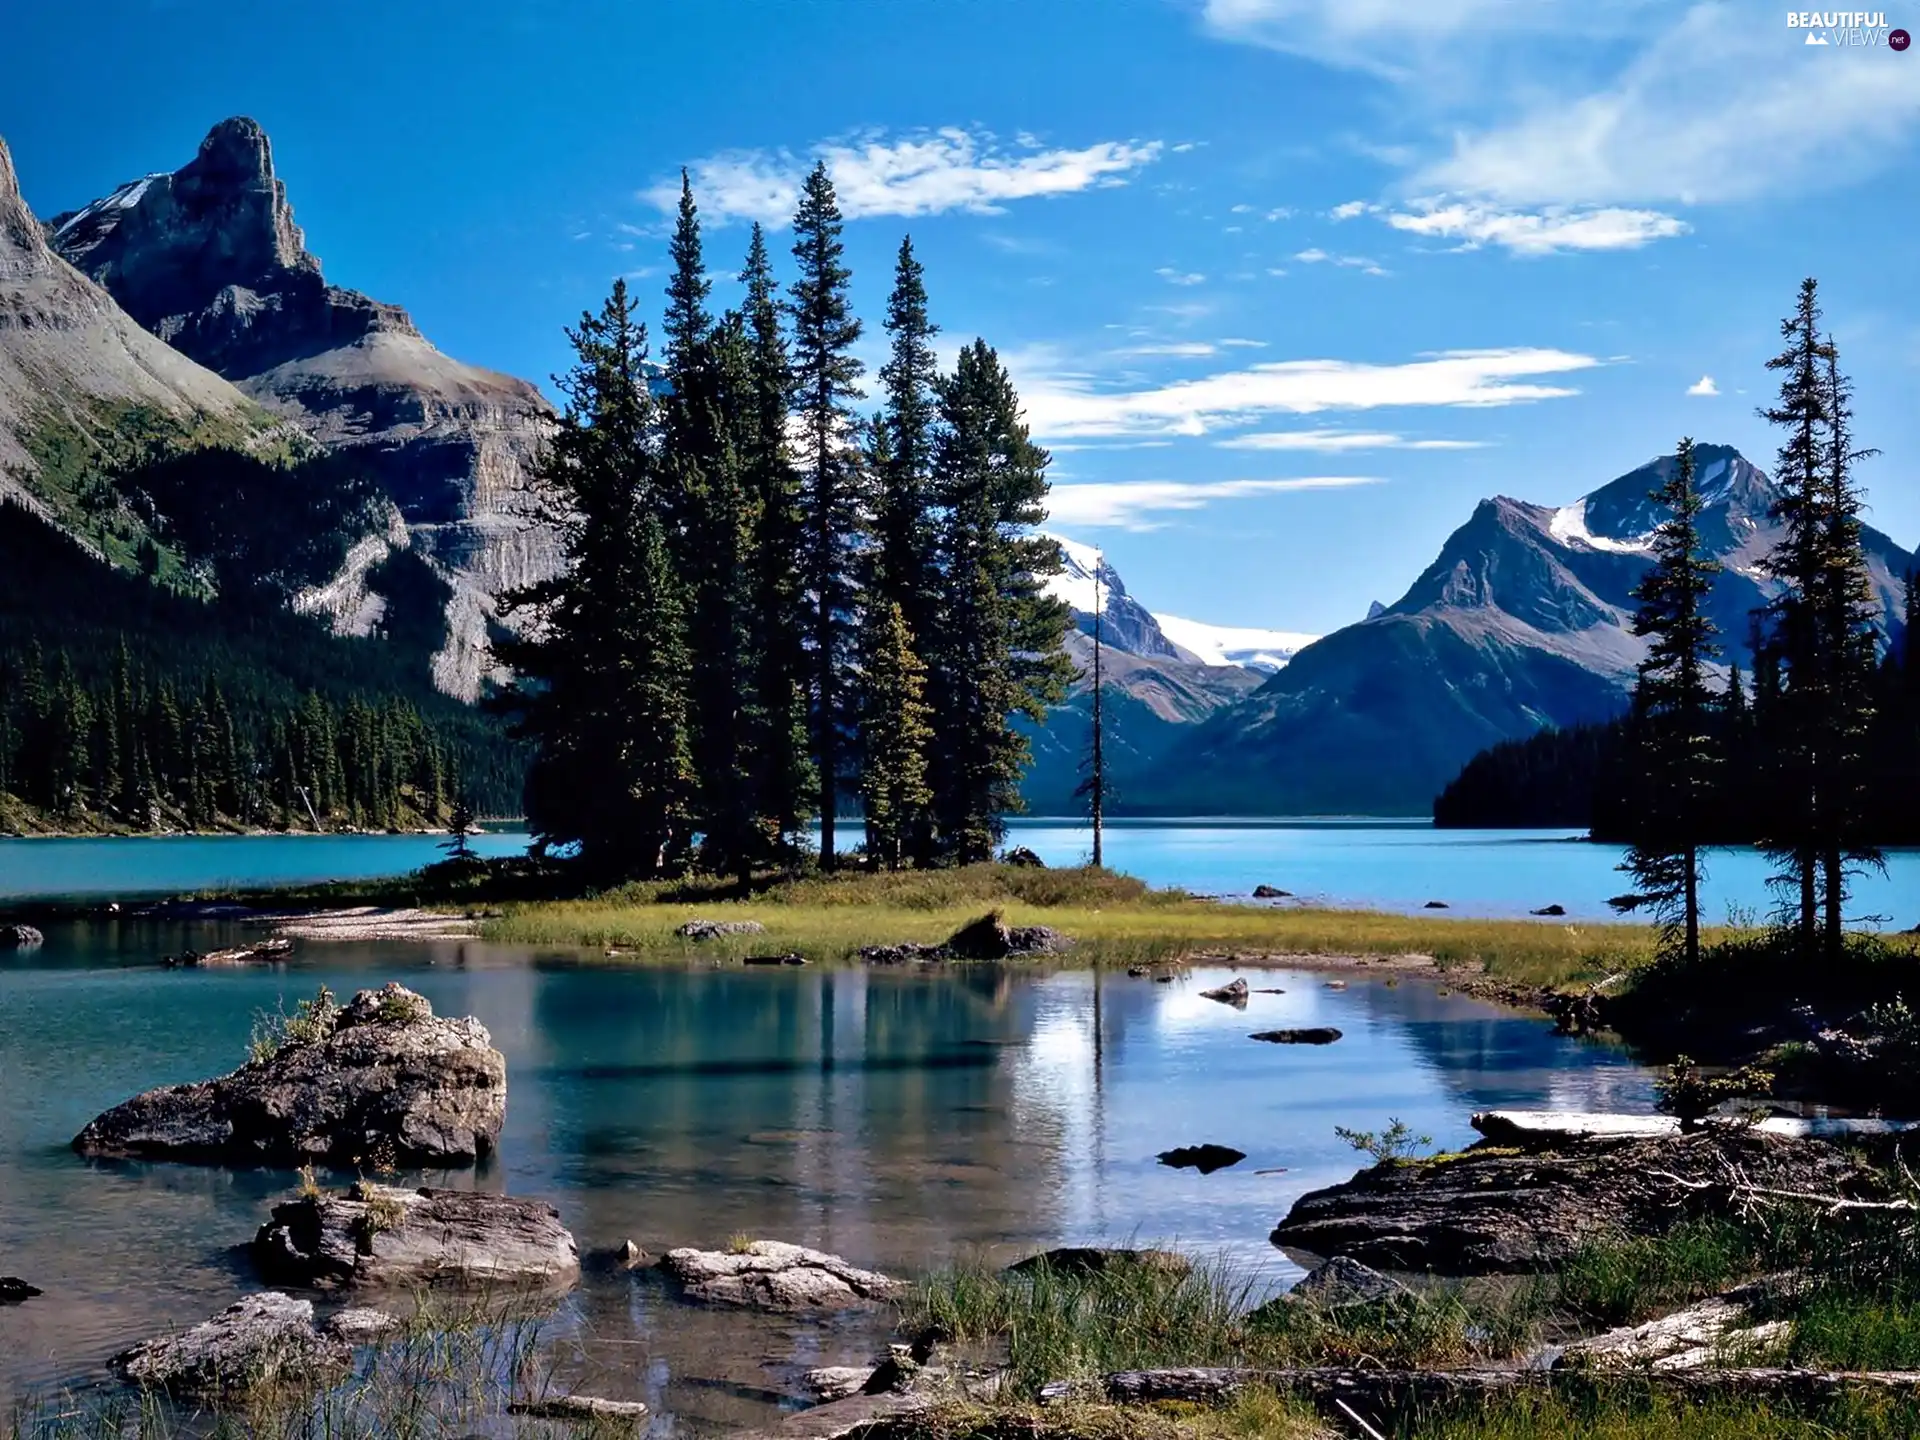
[(209, 259), (1522, 621), (74, 366)]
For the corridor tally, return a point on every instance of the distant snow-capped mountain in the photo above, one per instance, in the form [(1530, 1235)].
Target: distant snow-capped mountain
[(1249, 647), (1129, 626)]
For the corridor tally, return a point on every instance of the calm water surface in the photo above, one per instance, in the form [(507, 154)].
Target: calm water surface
[(901, 1118), (1387, 865)]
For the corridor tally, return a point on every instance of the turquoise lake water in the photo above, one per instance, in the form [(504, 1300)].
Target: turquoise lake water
[(903, 1118), (1392, 865)]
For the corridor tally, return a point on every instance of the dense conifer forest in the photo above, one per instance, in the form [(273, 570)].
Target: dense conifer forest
[(129, 704), (778, 608)]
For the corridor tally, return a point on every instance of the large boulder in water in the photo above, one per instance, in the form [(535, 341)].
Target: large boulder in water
[(20, 937), (1503, 1210), (769, 1275), (381, 1235), (383, 1079), (263, 1340)]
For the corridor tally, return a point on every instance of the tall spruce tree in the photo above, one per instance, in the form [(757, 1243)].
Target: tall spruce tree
[(1849, 640), (1000, 642), (777, 744), (903, 522), (602, 671), (1672, 727), (1795, 715), (834, 513), (895, 729), (708, 523), (1094, 782)]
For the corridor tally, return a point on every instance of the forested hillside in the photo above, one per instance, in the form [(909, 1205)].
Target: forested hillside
[(125, 703)]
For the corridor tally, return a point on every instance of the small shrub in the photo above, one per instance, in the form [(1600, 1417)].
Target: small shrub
[(383, 1213), (1689, 1094), (1392, 1145), (739, 1244), (311, 1023), (309, 1186), (400, 1009)]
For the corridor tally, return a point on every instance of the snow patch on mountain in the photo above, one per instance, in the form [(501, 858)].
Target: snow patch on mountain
[(1075, 582), (1249, 647), (1569, 525)]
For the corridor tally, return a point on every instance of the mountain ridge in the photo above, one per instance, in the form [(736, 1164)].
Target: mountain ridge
[(209, 258), (1520, 622)]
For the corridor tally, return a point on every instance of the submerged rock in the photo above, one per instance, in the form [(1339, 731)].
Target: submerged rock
[(1344, 1281), (263, 1340), (1233, 993), (15, 1291), (379, 1235), (1023, 858), (1268, 892), (387, 1078), (1549, 910), (836, 1382), (360, 1325), (1204, 1158), (715, 929), (791, 957), (20, 937), (1495, 1211), (1311, 1035), (1436, 905), (769, 1275), (260, 953), (1086, 1260)]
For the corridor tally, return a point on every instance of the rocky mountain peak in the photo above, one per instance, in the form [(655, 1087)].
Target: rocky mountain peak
[(231, 185), (23, 249)]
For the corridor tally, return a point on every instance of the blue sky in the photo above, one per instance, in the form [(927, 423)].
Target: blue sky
[(1288, 285)]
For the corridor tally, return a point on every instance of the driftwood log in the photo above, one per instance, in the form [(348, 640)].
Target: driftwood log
[(1392, 1389)]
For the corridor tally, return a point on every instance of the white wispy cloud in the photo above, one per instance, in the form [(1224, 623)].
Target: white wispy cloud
[(1067, 404), (1314, 255), (1334, 441), (1543, 232), (926, 173), (1349, 209), (1606, 103), (1143, 504), (1180, 277), (1240, 342), (1703, 386), (1664, 128), (1186, 349)]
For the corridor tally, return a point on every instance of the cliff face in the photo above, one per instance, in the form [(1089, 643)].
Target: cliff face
[(75, 368), (208, 258)]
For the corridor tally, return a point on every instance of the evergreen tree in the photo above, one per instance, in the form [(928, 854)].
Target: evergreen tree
[(1671, 729), (460, 828), (903, 523), (602, 673), (833, 512), (688, 419), (777, 734), (1794, 716), (1849, 654), (1093, 787), (1001, 636), (720, 634), (894, 733)]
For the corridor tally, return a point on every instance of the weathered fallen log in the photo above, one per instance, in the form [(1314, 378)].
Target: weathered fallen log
[(1550, 1127), (579, 1407), (1391, 1389)]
